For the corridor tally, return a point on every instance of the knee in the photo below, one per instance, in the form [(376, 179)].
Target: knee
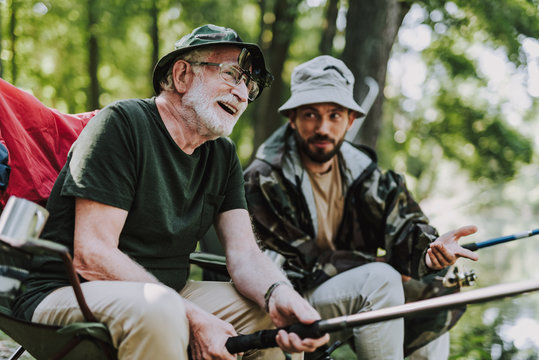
[(162, 306), (151, 324), (389, 283), (159, 309), (386, 274)]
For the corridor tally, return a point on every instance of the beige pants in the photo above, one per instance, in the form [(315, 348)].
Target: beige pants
[(148, 321)]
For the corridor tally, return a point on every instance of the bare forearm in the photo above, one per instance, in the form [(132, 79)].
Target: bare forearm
[(252, 278), (110, 264), (251, 271)]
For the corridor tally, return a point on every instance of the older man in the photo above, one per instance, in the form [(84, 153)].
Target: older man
[(143, 182), (325, 206)]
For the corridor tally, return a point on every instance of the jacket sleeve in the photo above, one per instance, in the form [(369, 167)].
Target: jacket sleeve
[(277, 222), (389, 212)]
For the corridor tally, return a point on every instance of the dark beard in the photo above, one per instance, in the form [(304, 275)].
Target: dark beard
[(318, 156)]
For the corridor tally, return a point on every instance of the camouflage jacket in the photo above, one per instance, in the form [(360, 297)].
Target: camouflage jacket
[(379, 213)]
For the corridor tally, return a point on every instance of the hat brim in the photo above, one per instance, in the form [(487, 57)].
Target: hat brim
[(328, 94), (165, 62)]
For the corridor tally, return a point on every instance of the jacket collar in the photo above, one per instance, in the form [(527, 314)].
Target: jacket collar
[(280, 151)]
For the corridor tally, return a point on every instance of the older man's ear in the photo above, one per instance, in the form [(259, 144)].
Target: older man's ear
[(182, 75)]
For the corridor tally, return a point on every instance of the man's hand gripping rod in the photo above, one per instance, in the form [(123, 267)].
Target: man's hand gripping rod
[(266, 338)]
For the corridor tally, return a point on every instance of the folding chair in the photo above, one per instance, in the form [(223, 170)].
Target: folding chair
[(84, 340)]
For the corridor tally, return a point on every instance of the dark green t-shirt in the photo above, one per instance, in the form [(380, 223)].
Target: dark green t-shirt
[(126, 158)]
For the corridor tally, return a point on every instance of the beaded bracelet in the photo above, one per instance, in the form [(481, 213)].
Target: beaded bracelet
[(270, 291)]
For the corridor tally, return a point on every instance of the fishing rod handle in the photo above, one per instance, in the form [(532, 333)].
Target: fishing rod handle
[(264, 339)]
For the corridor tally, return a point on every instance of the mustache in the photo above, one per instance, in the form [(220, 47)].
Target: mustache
[(318, 137)]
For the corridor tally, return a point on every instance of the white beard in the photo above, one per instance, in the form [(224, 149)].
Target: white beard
[(205, 116)]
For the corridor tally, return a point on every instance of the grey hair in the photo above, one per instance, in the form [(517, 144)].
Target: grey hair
[(196, 55)]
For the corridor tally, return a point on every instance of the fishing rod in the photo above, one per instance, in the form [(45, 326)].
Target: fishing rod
[(459, 279), (266, 338), (500, 240)]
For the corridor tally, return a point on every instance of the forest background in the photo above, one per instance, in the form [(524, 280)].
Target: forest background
[(456, 108)]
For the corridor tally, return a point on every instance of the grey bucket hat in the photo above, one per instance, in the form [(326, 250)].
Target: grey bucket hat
[(322, 79), (211, 35)]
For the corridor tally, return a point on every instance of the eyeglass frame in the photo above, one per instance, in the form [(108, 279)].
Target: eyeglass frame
[(243, 73)]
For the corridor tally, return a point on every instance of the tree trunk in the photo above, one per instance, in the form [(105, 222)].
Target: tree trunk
[(261, 23), (154, 34), (93, 56), (12, 25), (266, 119), (329, 28), (371, 30)]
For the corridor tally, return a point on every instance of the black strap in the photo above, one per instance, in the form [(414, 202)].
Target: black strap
[(4, 167)]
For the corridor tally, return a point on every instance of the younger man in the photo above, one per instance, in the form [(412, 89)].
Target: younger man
[(325, 206)]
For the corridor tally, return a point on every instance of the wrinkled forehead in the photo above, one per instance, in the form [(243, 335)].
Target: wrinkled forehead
[(225, 55)]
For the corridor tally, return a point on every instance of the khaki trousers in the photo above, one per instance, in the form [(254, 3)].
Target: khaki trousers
[(148, 321)]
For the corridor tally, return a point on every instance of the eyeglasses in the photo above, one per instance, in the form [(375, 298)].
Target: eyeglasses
[(232, 75)]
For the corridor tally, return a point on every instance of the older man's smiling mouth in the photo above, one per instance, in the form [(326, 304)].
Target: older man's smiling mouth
[(228, 108)]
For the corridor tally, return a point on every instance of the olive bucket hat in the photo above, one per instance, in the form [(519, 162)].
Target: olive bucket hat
[(211, 35)]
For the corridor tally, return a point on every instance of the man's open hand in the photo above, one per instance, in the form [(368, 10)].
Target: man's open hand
[(445, 250)]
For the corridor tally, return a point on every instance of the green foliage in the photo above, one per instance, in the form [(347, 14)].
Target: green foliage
[(480, 142), (483, 334), (504, 20), (240, 15), (49, 52), (479, 339), (460, 114), (446, 52)]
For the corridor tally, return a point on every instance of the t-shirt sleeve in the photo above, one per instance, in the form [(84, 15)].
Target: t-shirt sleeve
[(102, 164), (234, 191)]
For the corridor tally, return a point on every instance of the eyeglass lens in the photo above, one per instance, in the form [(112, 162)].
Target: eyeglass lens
[(233, 76)]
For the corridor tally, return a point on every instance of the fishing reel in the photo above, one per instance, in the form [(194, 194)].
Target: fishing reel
[(459, 279)]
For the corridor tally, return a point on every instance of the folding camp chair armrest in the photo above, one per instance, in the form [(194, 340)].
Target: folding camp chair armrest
[(41, 245), (35, 246), (209, 261)]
